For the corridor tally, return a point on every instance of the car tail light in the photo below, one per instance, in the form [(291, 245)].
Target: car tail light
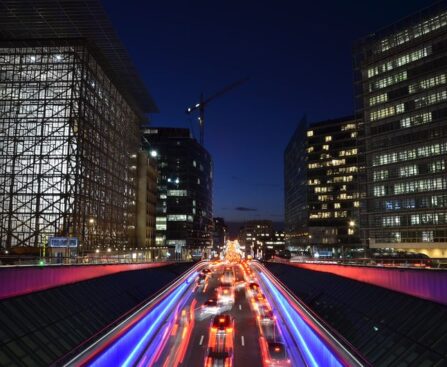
[(229, 329)]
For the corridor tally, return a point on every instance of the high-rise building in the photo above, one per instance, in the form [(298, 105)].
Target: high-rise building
[(71, 106), (333, 199), (295, 188), (146, 202), (401, 95), (322, 197), (254, 234), (220, 234), (184, 189)]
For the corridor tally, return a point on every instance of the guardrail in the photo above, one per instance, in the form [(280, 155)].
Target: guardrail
[(323, 344), (421, 263), (27, 260), (103, 345), (20, 280), (427, 283)]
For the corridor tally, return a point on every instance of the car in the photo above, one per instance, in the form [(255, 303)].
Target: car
[(201, 279), (265, 315), (228, 277), (259, 300), (210, 307), (225, 294), (274, 354), (220, 342), (252, 289)]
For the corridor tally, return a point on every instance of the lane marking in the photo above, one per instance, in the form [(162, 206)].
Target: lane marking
[(240, 307), (201, 340), (243, 341)]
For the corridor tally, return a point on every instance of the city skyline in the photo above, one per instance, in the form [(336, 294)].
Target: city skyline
[(191, 49)]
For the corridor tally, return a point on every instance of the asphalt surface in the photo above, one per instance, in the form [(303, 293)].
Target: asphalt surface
[(189, 337)]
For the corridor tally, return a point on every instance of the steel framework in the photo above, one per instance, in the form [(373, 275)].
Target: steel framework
[(68, 138)]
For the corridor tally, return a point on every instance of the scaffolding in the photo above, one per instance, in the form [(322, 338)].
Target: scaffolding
[(68, 140)]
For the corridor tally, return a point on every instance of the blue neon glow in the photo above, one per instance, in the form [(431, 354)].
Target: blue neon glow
[(315, 351), (128, 349)]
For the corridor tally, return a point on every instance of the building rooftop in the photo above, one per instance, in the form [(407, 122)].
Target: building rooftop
[(86, 19)]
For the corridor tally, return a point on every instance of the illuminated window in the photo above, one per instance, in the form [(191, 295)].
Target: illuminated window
[(430, 99), (415, 120), (387, 112), (348, 152), (387, 81), (177, 193), (325, 147), (356, 204), (380, 98), (427, 83), (310, 149), (337, 206), (391, 221), (177, 218), (437, 166), (348, 127), (413, 153), (407, 171), (380, 175), (400, 61), (379, 190), (310, 133), (328, 138)]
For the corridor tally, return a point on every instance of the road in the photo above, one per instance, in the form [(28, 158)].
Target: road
[(246, 334), (271, 327)]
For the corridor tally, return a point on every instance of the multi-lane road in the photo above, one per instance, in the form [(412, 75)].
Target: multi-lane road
[(220, 314)]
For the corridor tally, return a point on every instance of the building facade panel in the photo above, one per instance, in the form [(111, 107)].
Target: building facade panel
[(401, 94)]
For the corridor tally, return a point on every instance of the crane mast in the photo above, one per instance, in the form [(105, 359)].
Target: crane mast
[(203, 102)]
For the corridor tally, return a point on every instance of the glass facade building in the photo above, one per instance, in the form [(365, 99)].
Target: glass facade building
[(332, 183), (184, 189), (295, 188), (322, 194), (401, 95), (71, 106)]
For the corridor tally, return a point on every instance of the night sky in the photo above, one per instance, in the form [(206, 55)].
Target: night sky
[(297, 55)]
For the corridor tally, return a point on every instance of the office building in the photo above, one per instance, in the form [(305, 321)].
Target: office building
[(184, 190), (401, 95), (256, 236), (70, 109), (220, 234), (295, 188), (322, 199), (333, 199), (146, 202)]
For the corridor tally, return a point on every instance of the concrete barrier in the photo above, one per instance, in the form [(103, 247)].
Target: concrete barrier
[(17, 281), (423, 283)]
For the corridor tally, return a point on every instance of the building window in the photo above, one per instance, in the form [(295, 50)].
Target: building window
[(177, 193), (387, 112), (387, 81), (177, 218), (416, 120), (398, 62), (407, 171), (380, 98), (427, 83), (427, 236), (379, 190), (310, 133), (430, 99)]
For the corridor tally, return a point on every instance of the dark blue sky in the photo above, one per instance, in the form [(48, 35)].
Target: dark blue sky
[(297, 54)]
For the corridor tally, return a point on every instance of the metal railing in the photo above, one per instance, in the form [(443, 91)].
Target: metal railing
[(425, 263), (27, 260)]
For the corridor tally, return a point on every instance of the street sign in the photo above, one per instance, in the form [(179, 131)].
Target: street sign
[(63, 242)]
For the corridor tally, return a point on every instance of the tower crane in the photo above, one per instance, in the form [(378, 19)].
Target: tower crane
[(203, 102)]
